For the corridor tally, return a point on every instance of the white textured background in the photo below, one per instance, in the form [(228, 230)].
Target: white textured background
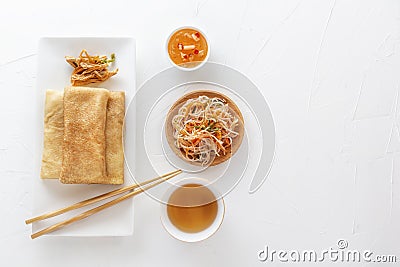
[(330, 72)]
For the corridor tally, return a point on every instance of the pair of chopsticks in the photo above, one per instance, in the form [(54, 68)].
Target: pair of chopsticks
[(135, 190)]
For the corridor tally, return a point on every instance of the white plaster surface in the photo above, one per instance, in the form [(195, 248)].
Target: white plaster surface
[(330, 70)]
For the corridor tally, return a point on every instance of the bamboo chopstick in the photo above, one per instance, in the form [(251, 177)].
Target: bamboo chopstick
[(96, 199), (137, 190)]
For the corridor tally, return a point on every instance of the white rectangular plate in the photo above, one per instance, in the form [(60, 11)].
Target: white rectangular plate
[(49, 194)]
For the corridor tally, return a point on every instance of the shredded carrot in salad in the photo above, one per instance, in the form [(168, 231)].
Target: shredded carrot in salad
[(204, 128)]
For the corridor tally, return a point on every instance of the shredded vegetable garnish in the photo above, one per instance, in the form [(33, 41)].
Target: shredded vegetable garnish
[(204, 128), (90, 69)]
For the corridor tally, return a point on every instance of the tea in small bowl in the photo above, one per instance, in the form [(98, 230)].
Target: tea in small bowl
[(193, 212)]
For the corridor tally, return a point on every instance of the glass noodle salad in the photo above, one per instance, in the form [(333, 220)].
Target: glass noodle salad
[(204, 128)]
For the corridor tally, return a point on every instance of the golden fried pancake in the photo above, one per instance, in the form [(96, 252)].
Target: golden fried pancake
[(53, 134), (85, 113), (114, 145), (195, 94)]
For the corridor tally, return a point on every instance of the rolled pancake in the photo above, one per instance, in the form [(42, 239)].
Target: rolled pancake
[(85, 111), (53, 135), (114, 145)]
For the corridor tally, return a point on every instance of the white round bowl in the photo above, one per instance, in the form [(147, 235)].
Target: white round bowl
[(198, 236), (201, 63)]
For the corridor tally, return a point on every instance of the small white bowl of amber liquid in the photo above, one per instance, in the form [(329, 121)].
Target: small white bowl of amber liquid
[(192, 210), (188, 48)]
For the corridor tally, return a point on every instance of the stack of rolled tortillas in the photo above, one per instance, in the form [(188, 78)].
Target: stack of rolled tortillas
[(83, 130)]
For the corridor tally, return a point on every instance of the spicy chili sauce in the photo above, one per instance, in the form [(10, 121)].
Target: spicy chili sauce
[(187, 47)]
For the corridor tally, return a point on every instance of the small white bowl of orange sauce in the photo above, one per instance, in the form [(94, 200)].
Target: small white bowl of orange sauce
[(188, 48)]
